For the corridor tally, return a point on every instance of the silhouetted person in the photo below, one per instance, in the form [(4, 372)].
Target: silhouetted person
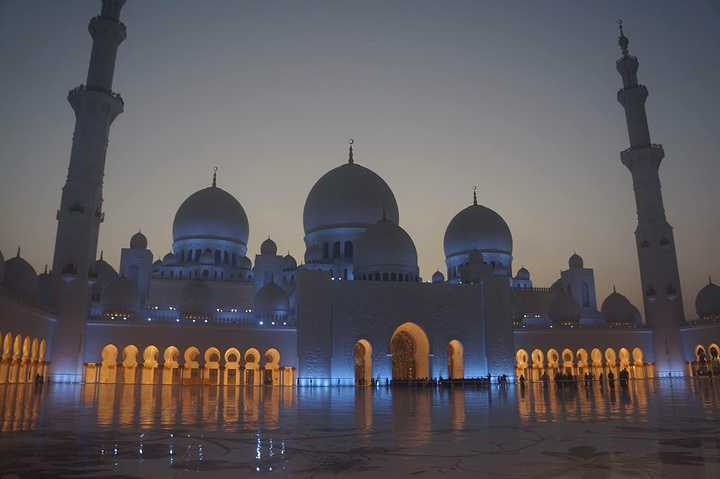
[(611, 380)]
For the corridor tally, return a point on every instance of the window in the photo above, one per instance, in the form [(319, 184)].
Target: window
[(225, 257), (348, 249), (325, 250), (206, 273), (198, 252), (234, 259), (393, 277), (585, 295), (336, 249), (377, 276), (385, 276), (217, 256)]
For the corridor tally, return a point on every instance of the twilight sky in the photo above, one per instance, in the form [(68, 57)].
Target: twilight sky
[(515, 97)]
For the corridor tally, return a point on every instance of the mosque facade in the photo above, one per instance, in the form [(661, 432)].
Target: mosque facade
[(355, 308)]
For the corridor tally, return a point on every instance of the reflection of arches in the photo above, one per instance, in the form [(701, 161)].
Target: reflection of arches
[(252, 367), (232, 367), (362, 353), (171, 365), (410, 347), (129, 356), (108, 370), (212, 366), (272, 367), (151, 354), (456, 365)]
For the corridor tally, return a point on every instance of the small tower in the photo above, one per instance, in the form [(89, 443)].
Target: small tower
[(80, 213), (654, 236)]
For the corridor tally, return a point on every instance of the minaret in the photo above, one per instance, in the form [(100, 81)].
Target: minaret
[(654, 239), (80, 213)]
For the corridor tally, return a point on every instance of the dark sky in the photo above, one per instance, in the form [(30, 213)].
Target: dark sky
[(517, 98)]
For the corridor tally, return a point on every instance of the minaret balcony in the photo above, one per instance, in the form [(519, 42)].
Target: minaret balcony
[(642, 147), (68, 272), (82, 88)]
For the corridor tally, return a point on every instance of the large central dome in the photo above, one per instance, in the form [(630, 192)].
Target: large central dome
[(348, 196), (211, 213), (477, 227)]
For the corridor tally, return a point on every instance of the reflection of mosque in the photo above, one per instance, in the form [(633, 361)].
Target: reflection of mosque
[(355, 309)]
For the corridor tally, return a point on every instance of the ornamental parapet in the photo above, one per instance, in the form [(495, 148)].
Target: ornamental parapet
[(97, 89), (634, 87), (655, 146), (107, 19)]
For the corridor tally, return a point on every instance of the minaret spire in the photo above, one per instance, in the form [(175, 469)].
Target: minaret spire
[(653, 236), (475, 195), (350, 152), (214, 183), (96, 106)]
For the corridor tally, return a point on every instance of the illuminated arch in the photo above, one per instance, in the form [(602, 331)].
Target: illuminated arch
[(151, 354), (252, 367), (108, 371), (41, 350), (7, 346), (191, 366), (624, 356), (362, 353), (582, 360), (412, 346), (130, 364), (456, 363), (212, 366), (171, 365), (596, 356), (232, 367), (553, 358), (610, 356)]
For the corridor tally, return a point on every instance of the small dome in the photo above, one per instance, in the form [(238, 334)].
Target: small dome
[(271, 298), (575, 261), (564, 309), (268, 247), (475, 257), (197, 301), (138, 241), (707, 302), (438, 277), (2, 267), (104, 270), (244, 263), (289, 263), (211, 213), (617, 310), (313, 254), (20, 277), (207, 257), (121, 297), (348, 196), (477, 227), (157, 264), (385, 244), (523, 274), (169, 260)]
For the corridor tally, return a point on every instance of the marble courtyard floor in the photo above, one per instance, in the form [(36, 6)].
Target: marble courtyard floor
[(656, 429)]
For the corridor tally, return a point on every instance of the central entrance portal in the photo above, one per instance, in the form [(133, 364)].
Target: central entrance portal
[(403, 349)]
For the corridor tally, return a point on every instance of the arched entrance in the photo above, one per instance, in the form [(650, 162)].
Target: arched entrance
[(171, 367), (252, 367), (272, 367), (456, 365), (362, 353), (521, 368), (108, 370), (410, 347)]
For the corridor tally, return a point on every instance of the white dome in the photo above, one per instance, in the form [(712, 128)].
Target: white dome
[(169, 259), (157, 264), (564, 309), (121, 297), (707, 301), (576, 261), (271, 298), (197, 301), (348, 196), (104, 271), (313, 254), (289, 263), (617, 310), (20, 276), (438, 277), (244, 263), (211, 213), (523, 274), (385, 244), (477, 227), (268, 248)]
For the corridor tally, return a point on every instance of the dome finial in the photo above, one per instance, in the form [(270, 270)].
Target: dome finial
[(623, 40), (214, 183), (475, 195), (45, 269), (18, 253), (350, 153), (101, 255), (614, 291), (710, 279)]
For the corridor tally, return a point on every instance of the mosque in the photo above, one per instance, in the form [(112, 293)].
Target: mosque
[(355, 308)]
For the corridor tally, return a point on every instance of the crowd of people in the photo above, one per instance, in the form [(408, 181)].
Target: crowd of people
[(568, 381)]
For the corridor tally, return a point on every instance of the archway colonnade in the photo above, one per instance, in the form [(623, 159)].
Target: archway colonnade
[(410, 353), (578, 363), (707, 362), (23, 358), (231, 368)]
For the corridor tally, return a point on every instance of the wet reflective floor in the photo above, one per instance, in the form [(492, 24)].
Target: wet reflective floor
[(657, 429)]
